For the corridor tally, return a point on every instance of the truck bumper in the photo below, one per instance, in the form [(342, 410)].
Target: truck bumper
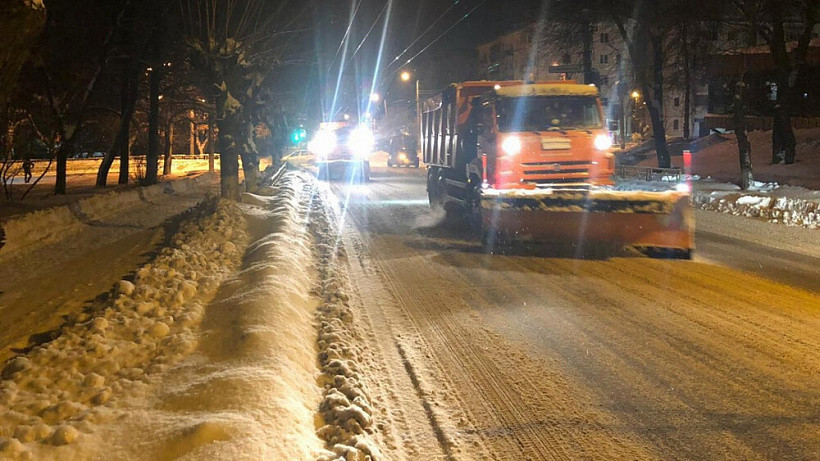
[(641, 219)]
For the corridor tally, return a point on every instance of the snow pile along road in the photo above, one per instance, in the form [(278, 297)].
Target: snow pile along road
[(346, 407), (71, 386), (211, 352), (794, 206), (249, 389)]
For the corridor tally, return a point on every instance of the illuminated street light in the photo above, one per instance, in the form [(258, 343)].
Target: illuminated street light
[(375, 97), (635, 94), (405, 76)]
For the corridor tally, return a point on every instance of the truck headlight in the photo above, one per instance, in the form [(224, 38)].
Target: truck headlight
[(361, 141), (323, 143), (511, 145), (602, 142)]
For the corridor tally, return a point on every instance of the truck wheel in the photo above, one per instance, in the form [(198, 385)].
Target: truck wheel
[(474, 209), (669, 253), (432, 174)]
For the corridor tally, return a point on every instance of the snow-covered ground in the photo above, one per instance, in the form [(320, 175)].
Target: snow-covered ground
[(794, 206), (235, 342)]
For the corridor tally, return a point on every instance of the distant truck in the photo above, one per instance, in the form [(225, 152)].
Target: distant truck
[(342, 150), (533, 161)]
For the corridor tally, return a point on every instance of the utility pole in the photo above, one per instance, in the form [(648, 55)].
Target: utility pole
[(418, 115)]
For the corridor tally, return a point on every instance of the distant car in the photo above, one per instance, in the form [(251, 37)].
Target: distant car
[(403, 158), (402, 152), (98, 155), (300, 158)]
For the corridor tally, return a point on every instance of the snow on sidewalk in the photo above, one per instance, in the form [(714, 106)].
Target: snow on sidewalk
[(71, 386), (793, 206)]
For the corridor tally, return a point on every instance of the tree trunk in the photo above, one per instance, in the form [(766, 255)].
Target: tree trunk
[(787, 145), (128, 101), (62, 166), (250, 168), (655, 103), (192, 138), (125, 157), (118, 149), (743, 146), (687, 83), (152, 157), (230, 125), (211, 142), (169, 146)]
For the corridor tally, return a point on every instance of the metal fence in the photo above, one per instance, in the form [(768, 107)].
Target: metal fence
[(649, 173)]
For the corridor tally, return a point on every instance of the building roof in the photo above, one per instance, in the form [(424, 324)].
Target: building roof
[(547, 89)]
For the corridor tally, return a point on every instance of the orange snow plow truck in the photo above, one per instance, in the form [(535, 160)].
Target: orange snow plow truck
[(533, 161)]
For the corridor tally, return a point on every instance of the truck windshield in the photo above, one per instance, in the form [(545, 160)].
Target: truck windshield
[(543, 113)]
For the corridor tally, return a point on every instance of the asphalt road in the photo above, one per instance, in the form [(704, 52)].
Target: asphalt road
[(535, 354)]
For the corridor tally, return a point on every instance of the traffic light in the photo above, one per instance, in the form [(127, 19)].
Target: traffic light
[(298, 135)]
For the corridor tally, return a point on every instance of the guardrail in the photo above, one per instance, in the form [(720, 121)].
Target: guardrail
[(649, 173)]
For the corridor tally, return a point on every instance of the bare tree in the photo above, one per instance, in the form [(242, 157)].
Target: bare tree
[(20, 23), (234, 45), (769, 19)]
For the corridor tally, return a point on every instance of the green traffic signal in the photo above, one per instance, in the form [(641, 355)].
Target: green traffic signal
[(298, 135)]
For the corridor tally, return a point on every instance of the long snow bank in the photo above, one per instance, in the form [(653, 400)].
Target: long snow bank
[(65, 390), (346, 408), (51, 225), (793, 206), (249, 390)]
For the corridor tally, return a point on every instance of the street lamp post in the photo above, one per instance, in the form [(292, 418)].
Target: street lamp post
[(418, 116)]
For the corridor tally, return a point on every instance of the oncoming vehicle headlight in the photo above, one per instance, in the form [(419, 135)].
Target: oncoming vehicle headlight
[(361, 141), (602, 142), (323, 143), (511, 145)]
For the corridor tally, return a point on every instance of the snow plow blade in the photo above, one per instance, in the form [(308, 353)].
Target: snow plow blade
[(653, 220)]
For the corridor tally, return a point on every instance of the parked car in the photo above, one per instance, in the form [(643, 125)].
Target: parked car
[(300, 158)]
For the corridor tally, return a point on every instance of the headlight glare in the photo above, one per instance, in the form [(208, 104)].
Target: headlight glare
[(361, 141), (602, 142), (511, 145), (323, 143)]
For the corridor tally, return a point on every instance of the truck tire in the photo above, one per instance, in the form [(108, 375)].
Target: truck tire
[(473, 210), (669, 253)]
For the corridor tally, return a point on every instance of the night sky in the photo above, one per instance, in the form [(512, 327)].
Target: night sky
[(449, 59)]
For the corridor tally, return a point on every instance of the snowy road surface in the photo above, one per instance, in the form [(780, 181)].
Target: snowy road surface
[(542, 356)]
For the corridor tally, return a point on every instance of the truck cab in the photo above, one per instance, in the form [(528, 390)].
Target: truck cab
[(513, 135), (541, 135)]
